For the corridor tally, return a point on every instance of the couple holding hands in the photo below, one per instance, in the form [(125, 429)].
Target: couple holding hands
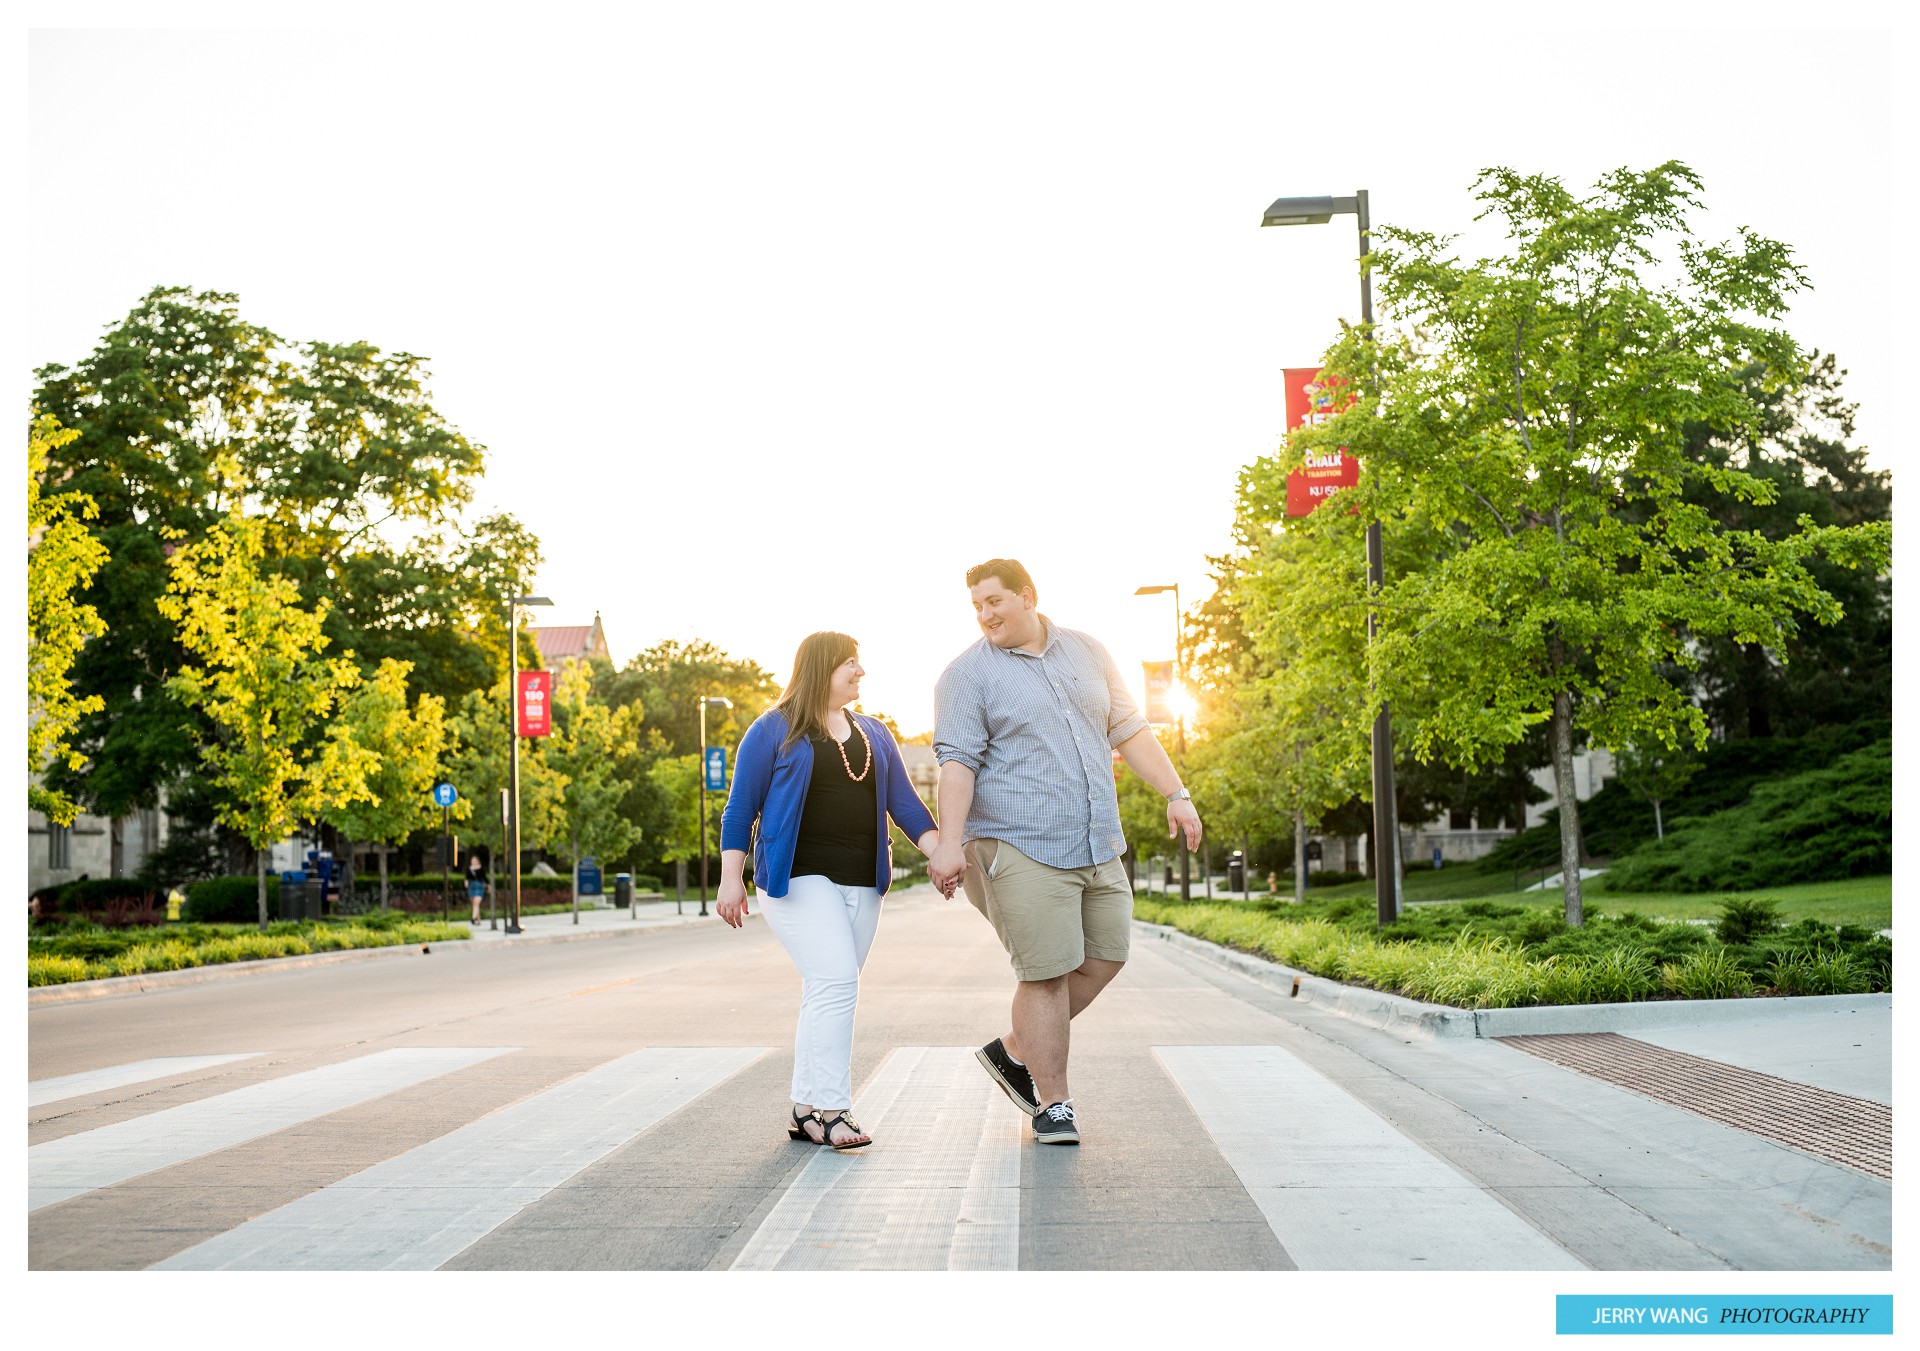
[(1024, 721)]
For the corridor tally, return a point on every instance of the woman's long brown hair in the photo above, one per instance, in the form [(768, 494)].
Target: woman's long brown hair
[(804, 700)]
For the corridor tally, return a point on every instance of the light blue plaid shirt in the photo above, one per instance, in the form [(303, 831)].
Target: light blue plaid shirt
[(1038, 733)]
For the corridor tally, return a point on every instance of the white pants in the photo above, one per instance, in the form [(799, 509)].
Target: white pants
[(827, 929)]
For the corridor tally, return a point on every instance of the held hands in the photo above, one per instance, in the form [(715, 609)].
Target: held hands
[(731, 901), (946, 865), (1181, 815)]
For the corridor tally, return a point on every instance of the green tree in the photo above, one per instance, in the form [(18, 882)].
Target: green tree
[(1825, 674), (1523, 419), (668, 679), (266, 691), (406, 748), (676, 779), (330, 445), (586, 741), (61, 557), (1658, 775)]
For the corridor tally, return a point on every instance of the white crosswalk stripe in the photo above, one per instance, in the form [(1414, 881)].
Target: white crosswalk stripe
[(75, 1164), (417, 1210), (40, 1092), (1340, 1187), (938, 1190)]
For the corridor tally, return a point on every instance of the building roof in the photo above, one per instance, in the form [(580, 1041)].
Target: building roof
[(571, 642)]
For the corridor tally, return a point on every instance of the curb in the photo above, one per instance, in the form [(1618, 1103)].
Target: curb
[(108, 987), (1397, 1013)]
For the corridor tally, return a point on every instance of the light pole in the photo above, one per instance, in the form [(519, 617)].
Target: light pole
[(1386, 825), (1180, 717), (513, 745), (705, 699)]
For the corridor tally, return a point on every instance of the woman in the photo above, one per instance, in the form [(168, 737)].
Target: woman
[(819, 783), (476, 884)]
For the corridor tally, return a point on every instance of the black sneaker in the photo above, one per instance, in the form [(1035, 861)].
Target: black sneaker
[(1014, 1080), (1055, 1126)]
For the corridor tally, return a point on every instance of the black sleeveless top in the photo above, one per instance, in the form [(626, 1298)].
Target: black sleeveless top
[(839, 826)]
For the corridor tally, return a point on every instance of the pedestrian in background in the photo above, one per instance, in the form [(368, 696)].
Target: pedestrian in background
[(814, 786), (1023, 723), (476, 884)]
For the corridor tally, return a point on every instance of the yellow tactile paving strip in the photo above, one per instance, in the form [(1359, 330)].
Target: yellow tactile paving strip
[(1833, 1126)]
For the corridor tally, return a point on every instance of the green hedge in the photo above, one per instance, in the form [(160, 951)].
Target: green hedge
[(1818, 826), (97, 893), (230, 900), (1480, 954), (87, 952)]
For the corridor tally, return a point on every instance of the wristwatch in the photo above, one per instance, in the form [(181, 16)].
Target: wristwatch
[(1178, 796)]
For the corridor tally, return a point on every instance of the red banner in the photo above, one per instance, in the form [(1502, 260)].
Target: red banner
[(1310, 402), (533, 692)]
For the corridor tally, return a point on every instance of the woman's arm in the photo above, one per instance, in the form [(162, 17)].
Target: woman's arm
[(903, 804)]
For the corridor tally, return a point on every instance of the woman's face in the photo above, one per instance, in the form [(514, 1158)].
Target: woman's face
[(844, 689)]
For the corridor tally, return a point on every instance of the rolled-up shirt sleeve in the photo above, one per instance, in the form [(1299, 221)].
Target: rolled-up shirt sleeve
[(1124, 718), (959, 720)]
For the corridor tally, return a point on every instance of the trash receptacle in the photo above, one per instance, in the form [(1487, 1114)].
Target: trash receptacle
[(1236, 871), (293, 895), (623, 890)]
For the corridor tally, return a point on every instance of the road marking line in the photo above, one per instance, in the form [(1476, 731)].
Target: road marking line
[(418, 1210), (72, 1165), (938, 1190), (43, 1091), (1341, 1188)]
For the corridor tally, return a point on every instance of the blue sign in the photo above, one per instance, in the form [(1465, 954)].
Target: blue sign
[(443, 794), (716, 768), (1436, 856), (589, 877)]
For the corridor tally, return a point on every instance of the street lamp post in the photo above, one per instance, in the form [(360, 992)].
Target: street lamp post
[(705, 699), (513, 744), (1386, 825), (1179, 715)]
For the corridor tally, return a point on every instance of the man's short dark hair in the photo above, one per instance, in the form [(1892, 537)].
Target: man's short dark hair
[(1012, 576)]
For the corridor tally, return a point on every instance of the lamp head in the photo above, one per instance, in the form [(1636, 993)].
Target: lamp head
[(1307, 210)]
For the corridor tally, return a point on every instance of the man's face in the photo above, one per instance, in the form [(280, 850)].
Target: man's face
[(1008, 618)]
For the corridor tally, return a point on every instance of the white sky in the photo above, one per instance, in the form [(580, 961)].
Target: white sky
[(777, 318)]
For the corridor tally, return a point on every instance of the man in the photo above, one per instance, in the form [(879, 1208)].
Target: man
[(1023, 723)]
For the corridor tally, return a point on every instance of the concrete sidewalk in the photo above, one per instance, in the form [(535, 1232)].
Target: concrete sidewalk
[(1842, 1043)]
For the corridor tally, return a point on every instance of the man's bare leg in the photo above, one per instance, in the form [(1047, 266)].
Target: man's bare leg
[(1042, 1011)]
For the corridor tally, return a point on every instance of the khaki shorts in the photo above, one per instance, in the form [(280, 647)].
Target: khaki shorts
[(1049, 919)]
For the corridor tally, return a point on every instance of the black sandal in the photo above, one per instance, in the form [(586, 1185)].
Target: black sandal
[(798, 1130), (827, 1123)]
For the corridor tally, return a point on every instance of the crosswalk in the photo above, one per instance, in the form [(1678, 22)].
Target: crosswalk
[(942, 1189)]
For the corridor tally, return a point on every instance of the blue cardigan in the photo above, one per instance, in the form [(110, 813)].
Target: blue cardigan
[(771, 784)]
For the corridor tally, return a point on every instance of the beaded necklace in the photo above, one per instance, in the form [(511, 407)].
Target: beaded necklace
[(841, 746)]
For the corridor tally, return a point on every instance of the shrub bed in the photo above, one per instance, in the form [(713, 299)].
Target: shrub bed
[(1481, 954), (81, 950)]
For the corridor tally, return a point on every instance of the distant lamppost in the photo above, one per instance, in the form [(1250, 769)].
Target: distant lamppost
[(1386, 825), (705, 699), (1180, 716), (513, 742)]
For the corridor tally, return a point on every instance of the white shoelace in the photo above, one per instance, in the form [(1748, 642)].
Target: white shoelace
[(1060, 1111)]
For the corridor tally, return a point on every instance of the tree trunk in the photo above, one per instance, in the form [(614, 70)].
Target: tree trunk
[(260, 877), (1659, 827), (574, 842), (344, 844), (383, 876), (1758, 671), (1570, 844), (1300, 857), (1246, 868)]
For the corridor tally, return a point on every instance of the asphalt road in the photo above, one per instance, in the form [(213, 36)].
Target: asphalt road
[(619, 1104)]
